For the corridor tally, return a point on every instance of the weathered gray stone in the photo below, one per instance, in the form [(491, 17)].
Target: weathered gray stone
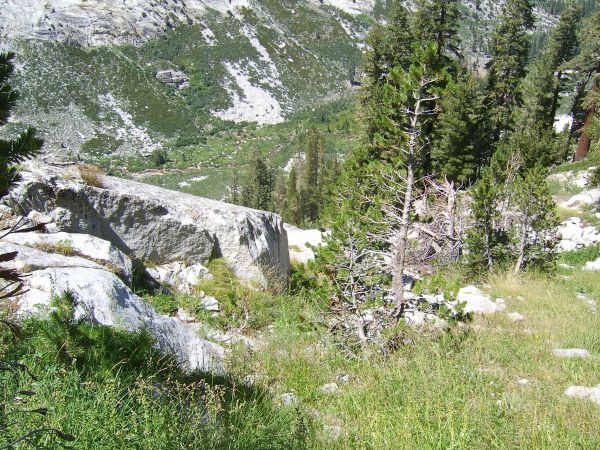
[(174, 78), (157, 224), (180, 276), (584, 393), (575, 234), (329, 388), (89, 247), (589, 197), (475, 301), (571, 353), (101, 297)]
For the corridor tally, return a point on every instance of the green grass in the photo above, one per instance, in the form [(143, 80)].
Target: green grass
[(456, 389), (111, 389)]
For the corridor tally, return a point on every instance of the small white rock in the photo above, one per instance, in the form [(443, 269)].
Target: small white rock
[(523, 382), (515, 317), (592, 266), (329, 388), (571, 353), (585, 393), (343, 378), (185, 316), (288, 399), (210, 304)]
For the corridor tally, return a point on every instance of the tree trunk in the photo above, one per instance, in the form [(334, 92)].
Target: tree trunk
[(451, 211), (555, 97), (583, 146), (400, 250), (522, 246)]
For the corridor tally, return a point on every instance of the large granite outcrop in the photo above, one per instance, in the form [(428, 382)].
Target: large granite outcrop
[(156, 224), (101, 297)]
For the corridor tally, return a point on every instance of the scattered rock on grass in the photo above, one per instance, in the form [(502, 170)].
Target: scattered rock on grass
[(477, 302), (571, 353), (329, 388), (343, 378), (585, 393), (589, 197), (516, 317), (523, 382), (592, 266), (209, 303), (575, 234), (591, 303), (332, 431), (288, 399)]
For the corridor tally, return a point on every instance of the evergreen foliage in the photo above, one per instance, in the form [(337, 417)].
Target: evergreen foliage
[(24, 146), (438, 21), (509, 50), (257, 190), (458, 148), (538, 90)]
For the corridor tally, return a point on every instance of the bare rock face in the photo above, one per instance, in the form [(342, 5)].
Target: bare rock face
[(94, 22), (101, 297), (157, 224), (173, 78), (82, 245)]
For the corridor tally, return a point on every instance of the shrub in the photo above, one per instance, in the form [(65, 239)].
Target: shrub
[(159, 157), (91, 175)]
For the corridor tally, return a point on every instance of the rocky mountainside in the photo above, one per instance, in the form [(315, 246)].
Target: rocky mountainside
[(110, 82)]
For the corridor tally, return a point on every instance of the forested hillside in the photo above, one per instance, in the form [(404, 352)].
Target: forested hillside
[(224, 68)]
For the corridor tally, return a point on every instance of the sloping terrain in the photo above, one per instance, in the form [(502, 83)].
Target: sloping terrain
[(87, 71)]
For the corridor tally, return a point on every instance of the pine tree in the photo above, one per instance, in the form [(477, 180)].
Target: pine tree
[(458, 146), (397, 37), (234, 195), (292, 212), (532, 146), (438, 21), (535, 222), (27, 144), (310, 182), (510, 48), (537, 92), (587, 63), (562, 47), (484, 238), (258, 187), (409, 101), (390, 45)]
